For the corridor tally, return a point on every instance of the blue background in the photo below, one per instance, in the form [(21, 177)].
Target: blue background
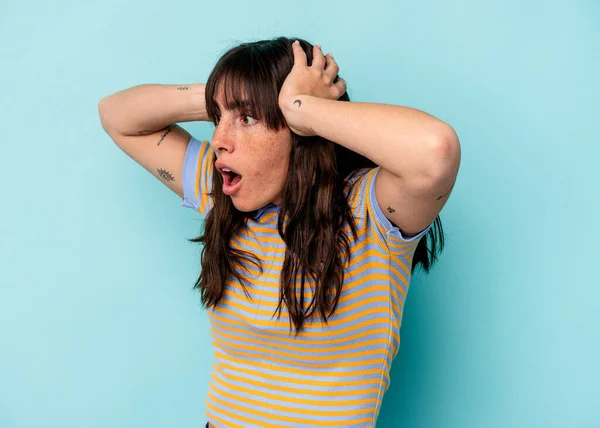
[(99, 325)]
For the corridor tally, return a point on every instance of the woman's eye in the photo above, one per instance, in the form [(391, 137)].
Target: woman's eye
[(248, 120)]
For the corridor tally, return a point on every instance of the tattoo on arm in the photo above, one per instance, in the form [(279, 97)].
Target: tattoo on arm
[(145, 132), (164, 135), (165, 175), (182, 88), (299, 103), (391, 210)]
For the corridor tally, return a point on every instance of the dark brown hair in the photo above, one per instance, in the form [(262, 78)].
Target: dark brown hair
[(314, 211)]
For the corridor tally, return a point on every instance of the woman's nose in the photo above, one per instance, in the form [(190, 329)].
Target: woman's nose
[(223, 139)]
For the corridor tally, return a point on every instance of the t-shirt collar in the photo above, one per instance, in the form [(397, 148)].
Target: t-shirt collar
[(259, 212)]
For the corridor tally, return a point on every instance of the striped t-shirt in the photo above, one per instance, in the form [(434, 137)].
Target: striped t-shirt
[(331, 375)]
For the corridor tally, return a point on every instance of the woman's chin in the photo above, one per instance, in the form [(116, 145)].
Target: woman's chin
[(244, 205), (247, 205)]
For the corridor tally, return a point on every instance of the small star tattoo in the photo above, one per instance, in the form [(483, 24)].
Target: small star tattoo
[(391, 210), (299, 103), (165, 175)]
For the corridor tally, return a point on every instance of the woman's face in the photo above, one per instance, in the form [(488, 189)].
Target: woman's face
[(257, 156)]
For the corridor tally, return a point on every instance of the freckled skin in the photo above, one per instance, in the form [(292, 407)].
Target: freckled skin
[(261, 156)]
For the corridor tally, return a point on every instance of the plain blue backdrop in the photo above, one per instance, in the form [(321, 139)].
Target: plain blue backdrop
[(99, 325)]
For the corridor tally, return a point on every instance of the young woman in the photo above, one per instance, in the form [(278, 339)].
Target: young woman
[(317, 212)]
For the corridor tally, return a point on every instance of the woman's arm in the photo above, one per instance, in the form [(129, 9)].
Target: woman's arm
[(419, 155), (148, 108), (408, 143), (142, 121)]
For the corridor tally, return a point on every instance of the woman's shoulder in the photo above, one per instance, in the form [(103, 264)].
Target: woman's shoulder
[(356, 175), (352, 180)]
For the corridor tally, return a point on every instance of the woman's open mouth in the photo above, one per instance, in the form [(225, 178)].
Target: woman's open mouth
[(231, 181)]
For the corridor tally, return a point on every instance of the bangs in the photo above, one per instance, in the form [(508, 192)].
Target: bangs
[(250, 82)]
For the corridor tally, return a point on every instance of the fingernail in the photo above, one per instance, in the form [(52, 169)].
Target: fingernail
[(296, 42)]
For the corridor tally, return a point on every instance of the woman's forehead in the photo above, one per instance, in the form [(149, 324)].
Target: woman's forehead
[(231, 97)]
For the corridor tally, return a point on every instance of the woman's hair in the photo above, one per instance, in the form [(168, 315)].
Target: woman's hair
[(314, 214)]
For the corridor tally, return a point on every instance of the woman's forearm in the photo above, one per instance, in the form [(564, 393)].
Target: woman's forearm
[(148, 108), (407, 142)]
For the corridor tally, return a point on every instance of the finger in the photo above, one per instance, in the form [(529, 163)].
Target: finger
[(318, 60), (341, 85), (331, 67), (299, 55)]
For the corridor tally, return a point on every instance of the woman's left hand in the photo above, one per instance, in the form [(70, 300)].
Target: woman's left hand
[(316, 81)]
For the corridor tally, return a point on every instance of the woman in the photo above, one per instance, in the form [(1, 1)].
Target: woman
[(317, 212)]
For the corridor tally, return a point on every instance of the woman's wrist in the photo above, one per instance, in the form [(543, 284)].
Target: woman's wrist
[(198, 102)]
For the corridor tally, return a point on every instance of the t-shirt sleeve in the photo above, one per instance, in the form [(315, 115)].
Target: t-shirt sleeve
[(366, 209), (197, 176)]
